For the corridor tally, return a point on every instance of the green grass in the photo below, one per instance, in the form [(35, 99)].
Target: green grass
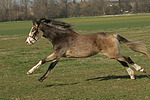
[(103, 23), (93, 78), (15, 28)]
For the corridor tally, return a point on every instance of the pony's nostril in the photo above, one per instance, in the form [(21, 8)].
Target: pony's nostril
[(26, 42)]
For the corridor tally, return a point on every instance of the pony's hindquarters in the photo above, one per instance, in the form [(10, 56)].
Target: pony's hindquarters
[(109, 45)]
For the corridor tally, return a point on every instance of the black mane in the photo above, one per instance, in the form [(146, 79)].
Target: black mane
[(52, 22)]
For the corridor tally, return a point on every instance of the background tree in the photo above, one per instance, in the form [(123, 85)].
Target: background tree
[(11, 10)]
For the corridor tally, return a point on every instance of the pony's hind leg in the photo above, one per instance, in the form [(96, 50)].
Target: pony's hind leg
[(117, 56), (137, 67), (52, 65), (128, 69)]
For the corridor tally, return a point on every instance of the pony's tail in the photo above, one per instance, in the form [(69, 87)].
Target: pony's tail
[(135, 46)]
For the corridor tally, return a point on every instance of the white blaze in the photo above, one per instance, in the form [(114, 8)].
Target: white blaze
[(30, 40)]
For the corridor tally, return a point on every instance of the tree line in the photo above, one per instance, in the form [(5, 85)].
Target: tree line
[(14, 10)]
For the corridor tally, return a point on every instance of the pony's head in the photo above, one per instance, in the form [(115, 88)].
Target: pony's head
[(35, 33), (39, 26)]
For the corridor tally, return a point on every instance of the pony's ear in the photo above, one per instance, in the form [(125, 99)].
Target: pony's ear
[(48, 21), (45, 20), (35, 23)]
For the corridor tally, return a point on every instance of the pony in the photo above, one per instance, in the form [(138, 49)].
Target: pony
[(68, 43)]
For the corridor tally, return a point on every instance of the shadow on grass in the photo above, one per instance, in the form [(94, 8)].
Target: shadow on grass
[(51, 85), (115, 77), (99, 79)]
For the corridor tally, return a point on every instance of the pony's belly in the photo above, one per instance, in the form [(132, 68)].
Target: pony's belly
[(79, 54)]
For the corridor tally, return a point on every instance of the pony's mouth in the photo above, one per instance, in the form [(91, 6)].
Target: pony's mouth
[(29, 43)]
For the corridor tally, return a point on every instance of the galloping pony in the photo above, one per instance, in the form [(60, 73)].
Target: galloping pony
[(68, 43)]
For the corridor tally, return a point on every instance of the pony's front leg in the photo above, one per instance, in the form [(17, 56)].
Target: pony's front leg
[(47, 59), (33, 69)]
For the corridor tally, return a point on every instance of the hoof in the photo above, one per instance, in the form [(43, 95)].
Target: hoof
[(40, 80), (28, 73), (132, 78), (142, 70)]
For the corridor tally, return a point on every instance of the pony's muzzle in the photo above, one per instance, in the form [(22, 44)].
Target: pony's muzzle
[(30, 41)]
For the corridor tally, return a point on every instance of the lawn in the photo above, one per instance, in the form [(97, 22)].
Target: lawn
[(93, 78)]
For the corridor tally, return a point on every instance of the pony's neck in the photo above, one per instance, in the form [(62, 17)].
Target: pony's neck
[(54, 34)]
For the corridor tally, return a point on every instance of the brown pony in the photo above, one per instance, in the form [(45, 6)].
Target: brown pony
[(67, 43)]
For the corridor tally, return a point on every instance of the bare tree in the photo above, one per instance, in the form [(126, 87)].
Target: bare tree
[(53, 9), (40, 8), (4, 10), (120, 6), (136, 7), (64, 4), (98, 7), (26, 9), (15, 10), (144, 6)]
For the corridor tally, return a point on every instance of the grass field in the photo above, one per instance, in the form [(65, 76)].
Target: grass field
[(94, 78)]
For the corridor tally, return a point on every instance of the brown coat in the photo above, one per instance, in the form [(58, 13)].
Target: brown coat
[(67, 43)]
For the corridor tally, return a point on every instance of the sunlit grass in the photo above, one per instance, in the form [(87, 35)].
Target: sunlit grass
[(93, 78), (103, 23), (15, 28)]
